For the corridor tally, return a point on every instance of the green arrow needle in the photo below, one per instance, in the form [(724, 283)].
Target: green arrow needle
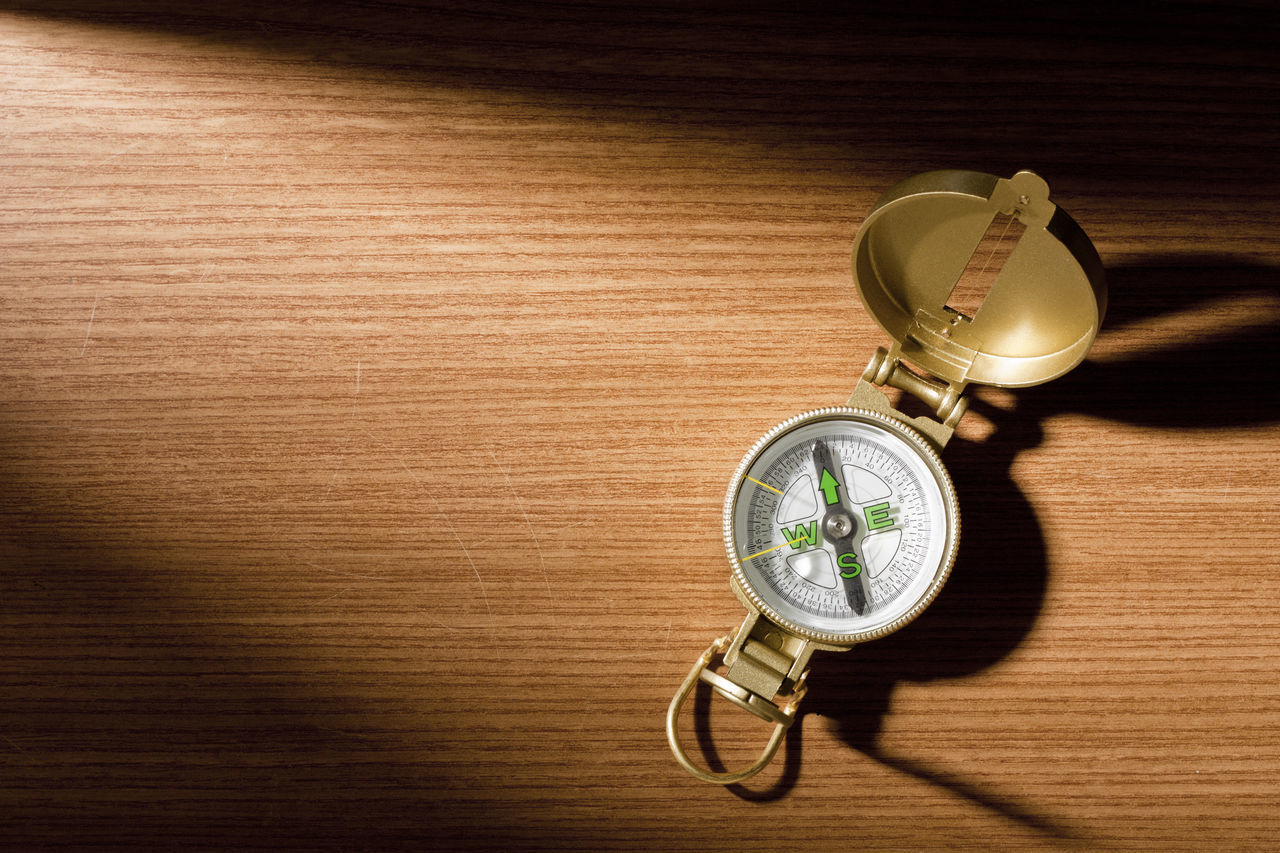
[(840, 526), (829, 484)]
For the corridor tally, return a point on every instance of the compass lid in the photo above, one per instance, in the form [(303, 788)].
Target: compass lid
[(921, 256)]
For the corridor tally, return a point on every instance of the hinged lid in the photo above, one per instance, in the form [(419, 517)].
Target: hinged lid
[(1039, 316)]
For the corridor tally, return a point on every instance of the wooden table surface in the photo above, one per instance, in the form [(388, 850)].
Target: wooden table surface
[(371, 375)]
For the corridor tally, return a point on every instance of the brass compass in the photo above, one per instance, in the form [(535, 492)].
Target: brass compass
[(841, 524)]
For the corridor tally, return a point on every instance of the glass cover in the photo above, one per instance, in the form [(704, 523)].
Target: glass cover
[(841, 523)]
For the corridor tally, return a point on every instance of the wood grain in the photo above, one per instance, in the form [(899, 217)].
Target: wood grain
[(371, 374)]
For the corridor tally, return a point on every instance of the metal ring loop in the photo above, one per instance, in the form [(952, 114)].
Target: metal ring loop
[(781, 717)]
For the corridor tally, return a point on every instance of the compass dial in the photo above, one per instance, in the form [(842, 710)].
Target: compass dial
[(841, 525)]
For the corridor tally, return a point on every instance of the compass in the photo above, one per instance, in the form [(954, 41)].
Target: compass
[(841, 524)]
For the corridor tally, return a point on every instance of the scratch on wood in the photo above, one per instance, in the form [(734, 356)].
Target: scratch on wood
[(542, 563), (439, 624), (336, 594), (574, 524), (648, 654), (62, 190), (355, 397), (484, 593), (92, 313), (333, 477), (340, 572)]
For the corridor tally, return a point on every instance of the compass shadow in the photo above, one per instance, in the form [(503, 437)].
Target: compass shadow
[(997, 588)]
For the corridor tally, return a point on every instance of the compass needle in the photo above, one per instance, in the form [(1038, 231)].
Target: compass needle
[(841, 527), (850, 521)]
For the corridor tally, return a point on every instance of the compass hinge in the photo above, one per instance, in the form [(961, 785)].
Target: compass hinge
[(946, 400), (766, 660)]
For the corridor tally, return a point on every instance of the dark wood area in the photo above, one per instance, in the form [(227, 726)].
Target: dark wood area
[(371, 375)]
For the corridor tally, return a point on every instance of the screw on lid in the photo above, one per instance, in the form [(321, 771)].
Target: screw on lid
[(1041, 312)]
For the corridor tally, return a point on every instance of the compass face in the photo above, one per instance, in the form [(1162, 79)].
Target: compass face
[(841, 525)]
